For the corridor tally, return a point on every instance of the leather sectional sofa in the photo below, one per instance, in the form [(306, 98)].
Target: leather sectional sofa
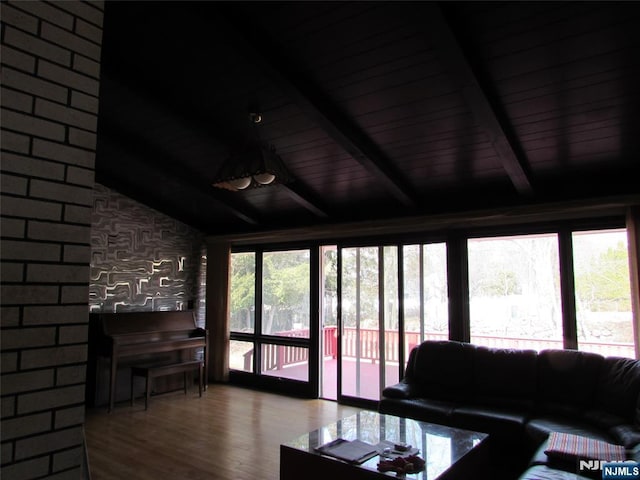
[(519, 397)]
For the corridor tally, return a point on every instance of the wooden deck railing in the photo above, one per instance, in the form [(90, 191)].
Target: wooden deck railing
[(365, 344)]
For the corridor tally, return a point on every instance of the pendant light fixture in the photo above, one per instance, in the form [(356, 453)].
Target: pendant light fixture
[(255, 164)]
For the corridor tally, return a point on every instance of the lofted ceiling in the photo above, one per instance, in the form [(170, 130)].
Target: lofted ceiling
[(379, 110)]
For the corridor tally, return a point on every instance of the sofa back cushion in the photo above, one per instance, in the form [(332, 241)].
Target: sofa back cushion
[(444, 369), (505, 377), (618, 387), (567, 380)]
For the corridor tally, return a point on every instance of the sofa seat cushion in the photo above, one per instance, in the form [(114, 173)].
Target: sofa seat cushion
[(538, 428), (544, 472), (425, 409), (500, 421)]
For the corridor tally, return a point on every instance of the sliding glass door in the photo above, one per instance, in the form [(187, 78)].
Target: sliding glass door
[(369, 320), (361, 319), (339, 321)]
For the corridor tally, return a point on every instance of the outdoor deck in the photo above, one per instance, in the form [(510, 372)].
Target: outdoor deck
[(291, 362)]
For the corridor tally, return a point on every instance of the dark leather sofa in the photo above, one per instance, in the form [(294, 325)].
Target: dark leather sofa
[(520, 396)]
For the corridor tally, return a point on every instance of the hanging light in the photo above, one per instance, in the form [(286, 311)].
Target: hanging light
[(255, 164)]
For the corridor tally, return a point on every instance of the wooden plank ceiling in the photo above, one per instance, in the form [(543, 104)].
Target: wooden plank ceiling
[(378, 109)]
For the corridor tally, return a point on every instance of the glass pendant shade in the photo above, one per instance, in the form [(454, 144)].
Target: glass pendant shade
[(251, 166), (264, 178), (240, 183)]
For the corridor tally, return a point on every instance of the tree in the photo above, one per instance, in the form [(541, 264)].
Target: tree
[(602, 283), (285, 290), (242, 296)]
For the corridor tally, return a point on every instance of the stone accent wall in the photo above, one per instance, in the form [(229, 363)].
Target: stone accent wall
[(143, 260), (50, 82)]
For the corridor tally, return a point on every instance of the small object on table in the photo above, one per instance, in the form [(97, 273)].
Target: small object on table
[(408, 464)]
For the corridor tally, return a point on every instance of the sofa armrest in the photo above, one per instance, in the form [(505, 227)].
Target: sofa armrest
[(399, 390)]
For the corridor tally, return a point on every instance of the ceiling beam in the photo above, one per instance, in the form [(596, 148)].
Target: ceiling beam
[(451, 54), (111, 132), (299, 193), (255, 45), (581, 211)]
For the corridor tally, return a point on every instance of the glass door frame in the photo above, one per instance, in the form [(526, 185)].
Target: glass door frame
[(354, 400), (255, 378)]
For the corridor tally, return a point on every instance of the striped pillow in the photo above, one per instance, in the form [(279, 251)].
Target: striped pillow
[(566, 446)]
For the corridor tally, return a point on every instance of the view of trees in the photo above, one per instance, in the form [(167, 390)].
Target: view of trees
[(513, 284), (285, 291), (433, 273), (360, 287), (603, 292), (514, 287), (243, 292), (602, 279), (330, 286)]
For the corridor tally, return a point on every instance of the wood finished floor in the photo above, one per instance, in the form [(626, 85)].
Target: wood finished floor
[(229, 433)]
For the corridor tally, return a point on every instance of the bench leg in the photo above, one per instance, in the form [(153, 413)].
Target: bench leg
[(200, 380), (132, 389), (148, 392), (185, 382)]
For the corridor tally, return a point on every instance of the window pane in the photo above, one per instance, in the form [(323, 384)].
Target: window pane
[(285, 361), (243, 292), (241, 356), (329, 321), (286, 284), (426, 311), (603, 292), (391, 318), (514, 292), (360, 323)]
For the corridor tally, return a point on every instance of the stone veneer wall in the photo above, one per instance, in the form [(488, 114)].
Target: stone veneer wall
[(50, 83), (143, 260)]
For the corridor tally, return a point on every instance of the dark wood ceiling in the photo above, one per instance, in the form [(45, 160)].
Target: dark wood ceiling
[(378, 109)]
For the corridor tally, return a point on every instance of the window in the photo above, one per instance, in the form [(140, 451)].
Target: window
[(285, 293), (243, 292), (331, 318), (426, 313), (241, 355), (514, 292), (270, 314), (603, 293)]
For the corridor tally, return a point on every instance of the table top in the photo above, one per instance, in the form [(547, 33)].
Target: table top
[(440, 446)]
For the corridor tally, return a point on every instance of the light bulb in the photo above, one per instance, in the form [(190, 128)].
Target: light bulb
[(264, 178), (240, 183)]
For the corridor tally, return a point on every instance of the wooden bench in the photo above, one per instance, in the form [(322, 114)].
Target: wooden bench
[(158, 370)]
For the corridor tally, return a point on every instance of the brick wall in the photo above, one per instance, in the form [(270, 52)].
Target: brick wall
[(50, 81)]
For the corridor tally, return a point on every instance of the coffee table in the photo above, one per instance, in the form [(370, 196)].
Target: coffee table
[(449, 452)]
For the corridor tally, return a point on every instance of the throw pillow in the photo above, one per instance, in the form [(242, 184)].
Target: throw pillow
[(567, 446)]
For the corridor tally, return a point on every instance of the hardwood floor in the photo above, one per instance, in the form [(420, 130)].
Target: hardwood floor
[(229, 433)]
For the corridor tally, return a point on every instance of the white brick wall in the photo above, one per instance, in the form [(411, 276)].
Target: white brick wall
[(49, 98)]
